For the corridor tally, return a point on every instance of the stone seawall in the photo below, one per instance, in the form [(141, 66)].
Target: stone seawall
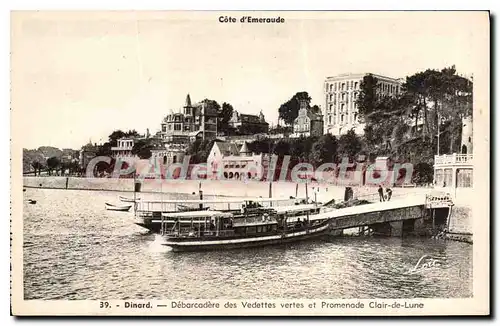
[(322, 192), (461, 219)]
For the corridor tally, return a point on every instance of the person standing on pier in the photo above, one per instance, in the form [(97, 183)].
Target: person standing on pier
[(389, 193), (381, 193)]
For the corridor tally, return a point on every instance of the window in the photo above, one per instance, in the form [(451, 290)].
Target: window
[(343, 86), (464, 178), (330, 119), (341, 118), (331, 97), (331, 107), (331, 87), (355, 85), (355, 117), (163, 128), (335, 86)]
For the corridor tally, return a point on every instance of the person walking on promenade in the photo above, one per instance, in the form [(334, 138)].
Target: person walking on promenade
[(381, 193), (389, 193)]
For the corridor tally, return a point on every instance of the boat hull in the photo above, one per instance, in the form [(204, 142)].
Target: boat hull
[(128, 200), (179, 245), (118, 208)]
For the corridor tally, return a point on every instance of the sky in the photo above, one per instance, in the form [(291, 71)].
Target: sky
[(77, 76)]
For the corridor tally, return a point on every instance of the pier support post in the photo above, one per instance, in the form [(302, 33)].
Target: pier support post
[(396, 228)]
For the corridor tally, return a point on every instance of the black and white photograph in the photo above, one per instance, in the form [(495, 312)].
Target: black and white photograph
[(241, 163)]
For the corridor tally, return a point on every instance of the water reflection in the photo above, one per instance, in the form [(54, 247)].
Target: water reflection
[(74, 249)]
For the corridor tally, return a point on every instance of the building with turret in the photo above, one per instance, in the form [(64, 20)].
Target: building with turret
[(456, 170), (230, 161), (189, 123), (307, 123)]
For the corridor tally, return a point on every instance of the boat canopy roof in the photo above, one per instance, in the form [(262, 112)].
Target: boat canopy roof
[(197, 214), (294, 208), (218, 201)]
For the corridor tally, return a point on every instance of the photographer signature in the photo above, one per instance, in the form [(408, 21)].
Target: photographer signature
[(425, 262)]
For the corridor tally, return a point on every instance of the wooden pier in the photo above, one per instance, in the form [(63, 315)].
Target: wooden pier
[(421, 214)]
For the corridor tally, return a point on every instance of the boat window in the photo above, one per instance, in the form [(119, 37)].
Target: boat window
[(251, 229), (273, 227), (259, 229)]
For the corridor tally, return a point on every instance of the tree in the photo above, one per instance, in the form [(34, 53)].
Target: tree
[(142, 148), (117, 134), (315, 109), (53, 163), (114, 136), (104, 149), (225, 116), (211, 105), (423, 173), (199, 150), (289, 110), (441, 97), (367, 98), (350, 144), (37, 166), (324, 150)]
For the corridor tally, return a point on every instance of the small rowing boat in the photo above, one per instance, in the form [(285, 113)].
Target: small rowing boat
[(121, 208)]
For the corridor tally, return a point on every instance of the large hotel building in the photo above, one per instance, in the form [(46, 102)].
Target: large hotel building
[(341, 92)]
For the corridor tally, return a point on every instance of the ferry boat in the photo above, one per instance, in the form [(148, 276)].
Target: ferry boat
[(151, 213), (217, 230)]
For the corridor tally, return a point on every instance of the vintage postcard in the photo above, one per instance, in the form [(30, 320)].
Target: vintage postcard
[(263, 163)]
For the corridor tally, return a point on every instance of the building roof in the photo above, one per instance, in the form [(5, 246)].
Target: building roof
[(361, 75), (314, 116), (228, 149), (244, 149), (188, 101)]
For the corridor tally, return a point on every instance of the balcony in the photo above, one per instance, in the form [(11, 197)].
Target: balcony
[(125, 148), (453, 159)]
